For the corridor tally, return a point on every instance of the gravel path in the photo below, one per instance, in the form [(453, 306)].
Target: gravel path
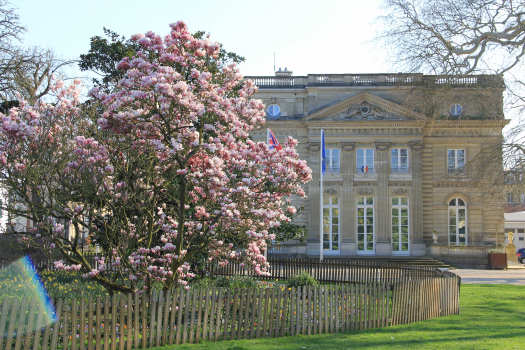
[(511, 276)]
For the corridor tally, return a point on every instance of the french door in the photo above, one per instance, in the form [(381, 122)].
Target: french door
[(365, 225), (331, 226), (400, 226)]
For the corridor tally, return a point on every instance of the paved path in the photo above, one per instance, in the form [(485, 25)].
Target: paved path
[(511, 276)]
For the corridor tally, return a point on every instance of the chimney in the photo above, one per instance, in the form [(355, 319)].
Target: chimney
[(284, 73)]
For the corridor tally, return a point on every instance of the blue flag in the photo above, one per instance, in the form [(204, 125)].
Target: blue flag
[(323, 155)]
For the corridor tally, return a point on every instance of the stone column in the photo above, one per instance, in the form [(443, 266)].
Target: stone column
[(314, 211), (311, 103), (417, 245), (348, 213), (382, 199)]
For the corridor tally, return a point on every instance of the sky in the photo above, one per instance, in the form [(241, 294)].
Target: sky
[(329, 36)]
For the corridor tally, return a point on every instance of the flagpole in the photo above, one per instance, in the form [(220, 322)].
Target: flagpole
[(321, 197), (268, 143)]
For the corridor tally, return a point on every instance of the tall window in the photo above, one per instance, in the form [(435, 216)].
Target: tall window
[(365, 224), (399, 160), (457, 222), (400, 224), (333, 164), (365, 160), (455, 160), (331, 224)]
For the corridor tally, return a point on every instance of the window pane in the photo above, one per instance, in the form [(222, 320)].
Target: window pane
[(403, 152), (395, 246), (404, 229), (360, 211), (404, 201), (394, 152), (335, 245), (395, 212), (395, 237), (404, 247), (326, 245), (369, 229), (451, 153), (361, 229), (335, 220), (335, 228), (335, 212), (326, 228), (404, 221), (370, 246), (395, 229), (395, 220), (369, 152), (452, 202), (369, 212), (326, 238), (395, 201), (370, 200), (360, 200), (335, 152), (361, 238), (335, 238), (369, 220), (326, 200), (452, 239), (460, 153), (360, 152), (404, 212), (361, 246), (360, 220), (335, 200)]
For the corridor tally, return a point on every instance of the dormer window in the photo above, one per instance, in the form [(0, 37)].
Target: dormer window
[(274, 111), (455, 110)]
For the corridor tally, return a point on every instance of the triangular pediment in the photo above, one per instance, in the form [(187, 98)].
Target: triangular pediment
[(363, 106)]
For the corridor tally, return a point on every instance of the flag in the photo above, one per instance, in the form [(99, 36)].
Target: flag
[(272, 141), (323, 155)]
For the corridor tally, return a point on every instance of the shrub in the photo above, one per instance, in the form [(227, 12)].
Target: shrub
[(302, 279), (237, 282)]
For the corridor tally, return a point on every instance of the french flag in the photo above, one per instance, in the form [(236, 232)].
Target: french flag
[(272, 141)]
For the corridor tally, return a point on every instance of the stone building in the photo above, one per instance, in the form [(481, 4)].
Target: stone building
[(397, 150)]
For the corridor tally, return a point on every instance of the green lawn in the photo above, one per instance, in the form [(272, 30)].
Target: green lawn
[(492, 317)]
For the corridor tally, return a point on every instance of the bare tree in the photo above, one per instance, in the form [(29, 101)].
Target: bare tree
[(24, 71), (31, 74)]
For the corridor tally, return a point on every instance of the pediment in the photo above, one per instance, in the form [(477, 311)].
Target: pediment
[(363, 106)]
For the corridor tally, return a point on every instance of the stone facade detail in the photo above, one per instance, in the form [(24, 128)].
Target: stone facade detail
[(368, 112)]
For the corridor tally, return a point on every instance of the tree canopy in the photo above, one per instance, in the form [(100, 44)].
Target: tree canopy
[(160, 171)]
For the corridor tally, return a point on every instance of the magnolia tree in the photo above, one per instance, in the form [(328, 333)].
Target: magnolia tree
[(161, 172)]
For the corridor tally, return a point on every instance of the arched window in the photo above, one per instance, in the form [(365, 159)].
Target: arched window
[(457, 222)]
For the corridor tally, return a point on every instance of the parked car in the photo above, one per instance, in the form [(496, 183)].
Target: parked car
[(521, 255)]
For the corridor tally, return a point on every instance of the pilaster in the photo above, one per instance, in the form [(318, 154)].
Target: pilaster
[(348, 224), (417, 246), (382, 212), (314, 213)]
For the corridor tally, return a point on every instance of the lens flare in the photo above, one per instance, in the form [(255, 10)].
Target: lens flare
[(34, 287)]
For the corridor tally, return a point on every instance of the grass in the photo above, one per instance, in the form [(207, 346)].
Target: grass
[(491, 317)]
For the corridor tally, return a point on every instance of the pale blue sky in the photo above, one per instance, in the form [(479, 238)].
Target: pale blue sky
[(307, 36)]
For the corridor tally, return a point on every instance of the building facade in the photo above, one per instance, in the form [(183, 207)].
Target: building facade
[(397, 150)]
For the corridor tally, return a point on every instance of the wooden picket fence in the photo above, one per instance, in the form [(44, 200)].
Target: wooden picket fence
[(334, 271), (135, 321)]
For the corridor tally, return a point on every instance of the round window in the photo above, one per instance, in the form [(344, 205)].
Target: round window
[(455, 110), (274, 111)]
